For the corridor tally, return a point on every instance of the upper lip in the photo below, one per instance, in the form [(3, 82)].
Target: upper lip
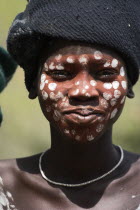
[(84, 111)]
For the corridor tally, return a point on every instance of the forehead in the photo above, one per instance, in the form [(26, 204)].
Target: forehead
[(77, 48)]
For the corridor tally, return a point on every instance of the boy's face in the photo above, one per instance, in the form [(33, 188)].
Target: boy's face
[(82, 90)]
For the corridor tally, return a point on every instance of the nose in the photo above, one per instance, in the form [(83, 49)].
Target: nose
[(84, 88)]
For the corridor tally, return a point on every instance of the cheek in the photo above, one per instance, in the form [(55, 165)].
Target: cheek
[(114, 94)]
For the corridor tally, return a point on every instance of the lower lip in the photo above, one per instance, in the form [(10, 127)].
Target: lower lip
[(81, 120)]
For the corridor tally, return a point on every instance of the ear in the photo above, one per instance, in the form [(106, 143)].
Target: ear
[(130, 93), (33, 91)]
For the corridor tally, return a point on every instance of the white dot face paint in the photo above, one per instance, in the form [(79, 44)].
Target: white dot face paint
[(114, 63), (77, 83), (48, 108), (98, 55), (66, 131), (86, 87), (59, 67), (76, 92), (83, 60), (113, 114), (107, 96), (73, 132), (43, 77), (104, 103), (52, 66), (58, 96), (122, 72), (83, 91), (113, 101), (52, 86), (107, 86), (70, 60), (93, 83), (107, 64), (117, 94), (44, 95), (87, 94), (58, 57), (99, 128), (124, 85), (46, 67), (115, 84), (77, 138), (56, 116), (90, 137), (123, 100), (42, 85)]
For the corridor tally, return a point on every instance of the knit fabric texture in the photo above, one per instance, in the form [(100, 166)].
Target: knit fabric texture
[(7, 69), (114, 24)]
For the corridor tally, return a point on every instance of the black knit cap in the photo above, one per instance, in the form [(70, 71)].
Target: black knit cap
[(114, 24)]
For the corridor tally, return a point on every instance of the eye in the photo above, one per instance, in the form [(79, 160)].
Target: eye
[(59, 74), (106, 74)]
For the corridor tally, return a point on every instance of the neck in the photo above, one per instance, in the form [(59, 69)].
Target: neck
[(68, 158)]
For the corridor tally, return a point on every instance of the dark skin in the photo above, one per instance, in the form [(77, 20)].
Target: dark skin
[(72, 161)]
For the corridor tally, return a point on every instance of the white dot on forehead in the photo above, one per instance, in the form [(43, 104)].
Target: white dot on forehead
[(107, 96), (122, 71), (98, 55), (93, 83), (124, 84), (115, 84), (58, 57), (113, 114), (52, 86), (70, 60), (107, 86), (117, 94), (83, 59), (114, 63)]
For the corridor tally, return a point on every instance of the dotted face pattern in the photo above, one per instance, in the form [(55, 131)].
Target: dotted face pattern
[(6, 198), (57, 90)]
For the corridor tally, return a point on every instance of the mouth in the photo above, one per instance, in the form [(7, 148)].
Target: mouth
[(82, 116)]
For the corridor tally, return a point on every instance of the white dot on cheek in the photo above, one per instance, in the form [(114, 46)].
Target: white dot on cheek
[(122, 72), (43, 77), (113, 101), (77, 138), (76, 92), (77, 83), (44, 95), (42, 85), (113, 114), (58, 57), (107, 64), (52, 86), (107, 96), (59, 67), (107, 86), (98, 55), (48, 108), (124, 85), (117, 94), (86, 87), (115, 84), (114, 63), (66, 131), (104, 103), (46, 67), (123, 100)]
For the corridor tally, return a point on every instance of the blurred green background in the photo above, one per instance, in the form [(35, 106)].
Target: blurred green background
[(24, 130)]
